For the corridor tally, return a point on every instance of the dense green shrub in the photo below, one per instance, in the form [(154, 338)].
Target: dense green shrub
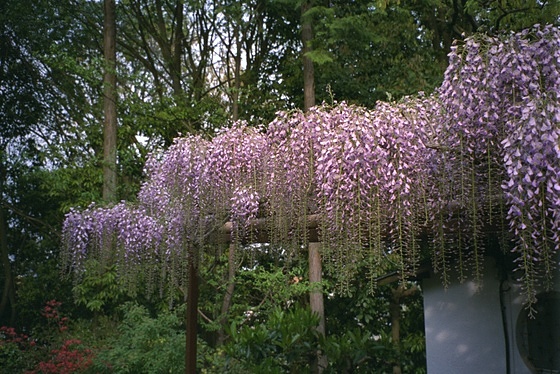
[(144, 344), (286, 343)]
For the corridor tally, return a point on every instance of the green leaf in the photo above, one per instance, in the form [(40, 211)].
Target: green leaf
[(319, 56)]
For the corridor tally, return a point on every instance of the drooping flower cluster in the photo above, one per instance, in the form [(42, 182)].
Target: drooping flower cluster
[(429, 173), (236, 169), (502, 98), (368, 177), (122, 234), (190, 192)]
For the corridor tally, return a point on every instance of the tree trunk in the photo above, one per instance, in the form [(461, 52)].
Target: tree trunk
[(237, 77), (177, 52), (308, 69), (315, 266), (316, 299), (110, 103), (191, 318), (8, 292)]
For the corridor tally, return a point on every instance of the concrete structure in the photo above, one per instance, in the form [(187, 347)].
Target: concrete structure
[(478, 331)]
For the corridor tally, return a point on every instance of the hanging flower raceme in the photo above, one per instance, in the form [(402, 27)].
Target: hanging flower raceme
[(501, 96), (238, 160), (121, 234), (191, 191), (363, 174), (347, 185), (76, 237), (532, 189), (290, 186), (244, 208)]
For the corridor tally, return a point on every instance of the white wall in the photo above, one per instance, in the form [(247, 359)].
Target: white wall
[(464, 327)]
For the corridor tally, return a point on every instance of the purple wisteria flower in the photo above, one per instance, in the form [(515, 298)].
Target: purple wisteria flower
[(429, 172)]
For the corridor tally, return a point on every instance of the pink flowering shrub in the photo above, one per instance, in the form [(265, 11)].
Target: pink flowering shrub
[(70, 358), (52, 353), (52, 313)]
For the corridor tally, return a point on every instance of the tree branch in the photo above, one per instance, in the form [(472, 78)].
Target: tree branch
[(31, 219)]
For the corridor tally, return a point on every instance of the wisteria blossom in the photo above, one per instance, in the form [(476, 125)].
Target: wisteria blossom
[(436, 175), (502, 100)]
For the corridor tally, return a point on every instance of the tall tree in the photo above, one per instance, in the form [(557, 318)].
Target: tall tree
[(20, 112), (260, 41), (169, 51), (308, 67), (8, 290), (110, 102), (315, 266), (49, 93)]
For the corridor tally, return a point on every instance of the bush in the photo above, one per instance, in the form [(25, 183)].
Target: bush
[(50, 352), (15, 350), (286, 342), (71, 358), (144, 344)]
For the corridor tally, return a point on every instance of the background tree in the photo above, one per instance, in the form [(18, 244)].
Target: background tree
[(366, 52), (308, 68), (34, 115), (109, 102)]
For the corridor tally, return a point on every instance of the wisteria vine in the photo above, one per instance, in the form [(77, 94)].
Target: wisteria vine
[(439, 173), (502, 99)]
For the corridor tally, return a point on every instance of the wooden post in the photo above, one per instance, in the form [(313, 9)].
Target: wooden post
[(228, 296), (395, 312), (316, 299), (191, 318)]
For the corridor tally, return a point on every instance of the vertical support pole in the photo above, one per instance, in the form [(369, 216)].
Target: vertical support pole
[(191, 319), (395, 312), (228, 296), (316, 299)]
